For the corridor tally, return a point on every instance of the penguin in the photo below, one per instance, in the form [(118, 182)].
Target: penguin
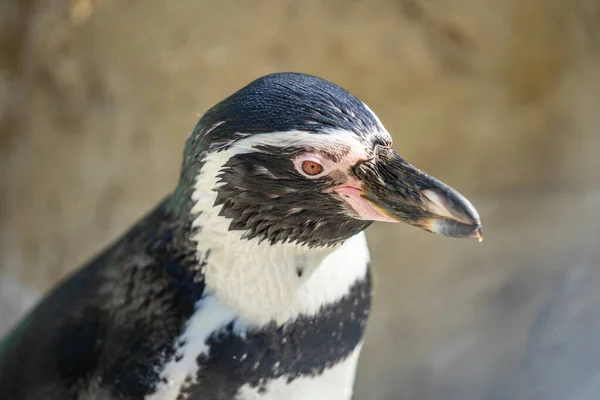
[(251, 280)]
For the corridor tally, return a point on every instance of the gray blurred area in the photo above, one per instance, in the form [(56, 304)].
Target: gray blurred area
[(500, 99)]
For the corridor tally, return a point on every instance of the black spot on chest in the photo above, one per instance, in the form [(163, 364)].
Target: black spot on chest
[(304, 347)]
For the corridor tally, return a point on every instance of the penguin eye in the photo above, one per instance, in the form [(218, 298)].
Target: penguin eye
[(311, 168), (312, 165)]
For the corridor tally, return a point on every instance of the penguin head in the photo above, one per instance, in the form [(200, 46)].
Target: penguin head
[(302, 160)]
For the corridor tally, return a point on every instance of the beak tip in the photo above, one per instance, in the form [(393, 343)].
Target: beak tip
[(479, 233), (455, 216), (453, 228)]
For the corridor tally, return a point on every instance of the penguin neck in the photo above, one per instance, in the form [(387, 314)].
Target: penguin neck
[(263, 282)]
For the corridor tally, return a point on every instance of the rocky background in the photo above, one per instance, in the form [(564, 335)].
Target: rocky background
[(501, 99)]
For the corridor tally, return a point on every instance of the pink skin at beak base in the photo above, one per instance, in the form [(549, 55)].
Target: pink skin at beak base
[(363, 207)]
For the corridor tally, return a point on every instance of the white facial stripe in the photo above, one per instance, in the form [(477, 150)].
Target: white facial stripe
[(381, 131), (301, 139), (326, 142), (380, 125)]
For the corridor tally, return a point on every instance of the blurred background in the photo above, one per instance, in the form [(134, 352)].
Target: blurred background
[(500, 99)]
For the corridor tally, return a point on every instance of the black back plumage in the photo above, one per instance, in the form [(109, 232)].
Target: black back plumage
[(104, 332)]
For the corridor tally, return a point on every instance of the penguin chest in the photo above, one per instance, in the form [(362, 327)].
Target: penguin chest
[(305, 358), (309, 351)]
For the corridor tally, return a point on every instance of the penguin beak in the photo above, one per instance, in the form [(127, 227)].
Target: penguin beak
[(389, 189)]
